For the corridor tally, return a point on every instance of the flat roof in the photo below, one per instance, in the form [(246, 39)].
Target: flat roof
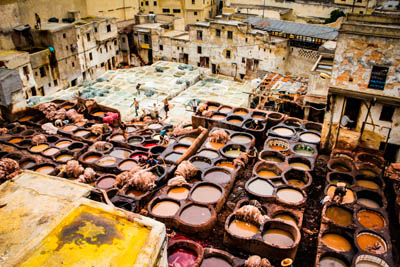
[(281, 10), (55, 26), (315, 31), (10, 54)]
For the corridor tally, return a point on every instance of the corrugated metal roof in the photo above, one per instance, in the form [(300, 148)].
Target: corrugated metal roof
[(309, 30)]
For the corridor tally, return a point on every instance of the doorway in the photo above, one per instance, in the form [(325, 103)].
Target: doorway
[(352, 111)]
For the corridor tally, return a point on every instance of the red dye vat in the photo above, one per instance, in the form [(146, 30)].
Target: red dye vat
[(136, 156), (182, 258), (150, 145)]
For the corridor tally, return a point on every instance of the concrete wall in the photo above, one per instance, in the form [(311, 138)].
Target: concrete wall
[(300, 61)]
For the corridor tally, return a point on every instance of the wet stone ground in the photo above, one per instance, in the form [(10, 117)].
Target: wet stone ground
[(311, 222)]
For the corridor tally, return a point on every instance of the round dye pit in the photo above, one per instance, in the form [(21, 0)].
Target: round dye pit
[(368, 203), (304, 150), (132, 192), (195, 215), (218, 176), (296, 182), (201, 162), (231, 151), (69, 128), (348, 197), (46, 169), (277, 145), (336, 242), (154, 126), (336, 177), (165, 208), (371, 219), (260, 187), (241, 139), (178, 193), (63, 144), (180, 148), (51, 151), (370, 261), (371, 243), (278, 237), (226, 164), (107, 161), (339, 215), (26, 118), (218, 117), (266, 173), (182, 258), (240, 112), (225, 109), (215, 262), (206, 194), (283, 131), (39, 148), (173, 157), (368, 184), (27, 164), (290, 195), (15, 140), (135, 140), (105, 183), (99, 114), (235, 119), (136, 156), (92, 158), (339, 167), (118, 138), (81, 133), (120, 153), (259, 116), (126, 165), (286, 217), (300, 165), (150, 144), (272, 156), (328, 261), (310, 137), (242, 229), (214, 145), (187, 140), (211, 154), (212, 107), (64, 157), (368, 172), (292, 122)]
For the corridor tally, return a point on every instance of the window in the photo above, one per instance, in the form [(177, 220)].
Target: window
[(155, 3), (195, 13), (73, 64), (230, 35), (165, 10), (74, 82), (199, 50), (102, 65), (95, 29), (115, 42), (228, 53), (26, 70), (246, 39), (108, 28), (66, 47), (146, 39), (55, 82), (64, 35), (147, 3), (218, 32), (142, 4), (161, 47), (177, 11), (199, 35), (42, 72), (193, 2), (90, 56), (378, 77), (386, 113), (243, 60), (88, 37)]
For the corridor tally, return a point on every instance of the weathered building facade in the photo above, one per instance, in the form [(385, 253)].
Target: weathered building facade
[(191, 10), (365, 85)]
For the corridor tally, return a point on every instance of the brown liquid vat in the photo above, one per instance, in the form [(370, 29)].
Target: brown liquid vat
[(298, 178), (120, 153), (289, 195), (63, 143), (341, 165), (371, 199), (127, 165), (162, 208), (217, 175), (206, 193), (219, 258), (371, 220), (368, 170), (225, 163), (46, 168), (293, 122), (364, 260), (266, 170), (300, 163), (282, 131), (38, 148), (64, 157), (105, 182), (310, 137), (260, 188), (349, 197), (225, 109), (331, 259), (200, 163), (371, 242), (273, 118), (240, 111), (242, 139), (276, 144), (178, 192), (271, 156), (208, 153), (339, 177), (339, 215), (370, 158), (336, 241)]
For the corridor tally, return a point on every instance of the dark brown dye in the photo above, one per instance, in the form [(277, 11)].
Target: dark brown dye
[(218, 177), (106, 183)]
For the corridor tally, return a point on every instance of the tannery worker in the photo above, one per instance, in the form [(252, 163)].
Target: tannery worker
[(136, 104), (166, 107), (340, 192)]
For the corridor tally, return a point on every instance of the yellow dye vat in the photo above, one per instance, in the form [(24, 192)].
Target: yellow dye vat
[(90, 237)]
